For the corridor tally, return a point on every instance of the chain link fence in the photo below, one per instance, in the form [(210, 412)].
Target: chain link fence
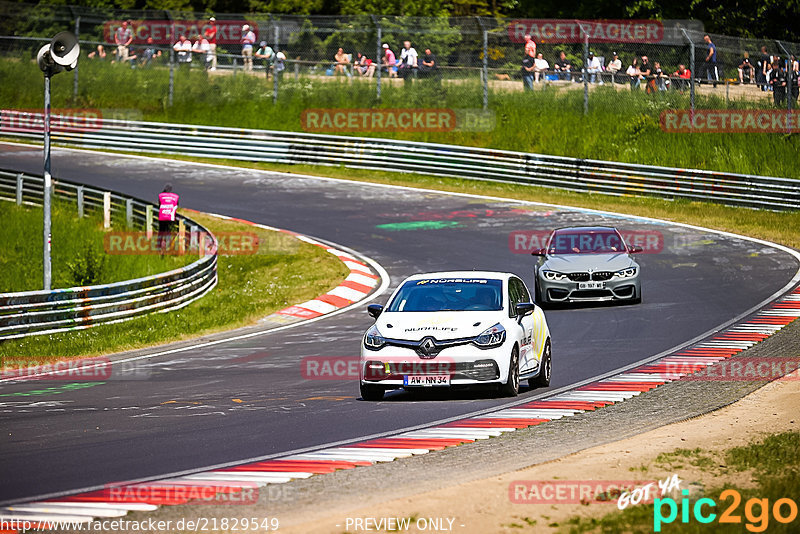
[(359, 62)]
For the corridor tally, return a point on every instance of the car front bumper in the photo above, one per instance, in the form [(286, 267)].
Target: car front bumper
[(569, 291)]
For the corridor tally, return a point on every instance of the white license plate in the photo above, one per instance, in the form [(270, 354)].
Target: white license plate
[(426, 380), (590, 285)]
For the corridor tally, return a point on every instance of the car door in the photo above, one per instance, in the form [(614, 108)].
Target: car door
[(519, 293)]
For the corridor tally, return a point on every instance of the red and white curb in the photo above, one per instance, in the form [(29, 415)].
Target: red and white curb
[(117, 502)]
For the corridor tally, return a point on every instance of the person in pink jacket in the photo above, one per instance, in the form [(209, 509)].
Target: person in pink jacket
[(167, 210)]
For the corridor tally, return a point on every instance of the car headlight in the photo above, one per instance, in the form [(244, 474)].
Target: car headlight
[(373, 340), (553, 275), (491, 337), (630, 272)]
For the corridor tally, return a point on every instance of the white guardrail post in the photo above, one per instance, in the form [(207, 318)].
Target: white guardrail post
[(31, 313)]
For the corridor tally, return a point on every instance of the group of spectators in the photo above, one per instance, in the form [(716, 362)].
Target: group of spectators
[(203, 47), (770, 72), (408, 66)]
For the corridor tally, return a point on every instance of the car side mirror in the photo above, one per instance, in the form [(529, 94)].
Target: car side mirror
[(539, 252), (374, 310), (635, 249), (524, 308)]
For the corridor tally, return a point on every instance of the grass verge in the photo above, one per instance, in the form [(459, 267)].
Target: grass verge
[(770, 467), (621, 125), (284, 272), (78, 257)]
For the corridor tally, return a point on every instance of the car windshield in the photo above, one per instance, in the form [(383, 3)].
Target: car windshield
[(448, 294), (586, 242)]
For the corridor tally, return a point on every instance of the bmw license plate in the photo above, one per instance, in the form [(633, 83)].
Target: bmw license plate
[(590, 285), (426, 380)]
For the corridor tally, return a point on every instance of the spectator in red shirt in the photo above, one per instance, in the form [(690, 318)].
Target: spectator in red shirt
[(211, 36)]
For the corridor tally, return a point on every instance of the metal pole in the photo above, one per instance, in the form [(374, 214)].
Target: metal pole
[(485, 69), (46, 267), (275, 70), (585, 71), (788, 76), (378, 61), (485, 63), (19, 189), (80, 201), (171, 66), (75, 73)]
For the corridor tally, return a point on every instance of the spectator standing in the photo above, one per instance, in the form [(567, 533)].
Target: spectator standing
[(184, 50), (711, 60), (123, 38), (540, 67), (389, 60), (563, 67), (266, 53), (248, 39), (149, 53), (614, 67), (777, 80), (211, 35), (764, 65), (408, 62), (661, 78), (530, 46), (528, 62), (429, 67), (528, 65), (202, 48), (167, 211), (342, 62), (746, 69), (594, 69)]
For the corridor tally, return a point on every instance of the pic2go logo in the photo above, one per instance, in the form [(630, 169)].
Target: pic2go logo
[(756, 511)]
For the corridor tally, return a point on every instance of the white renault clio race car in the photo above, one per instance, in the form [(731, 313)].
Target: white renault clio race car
[(456, 329)]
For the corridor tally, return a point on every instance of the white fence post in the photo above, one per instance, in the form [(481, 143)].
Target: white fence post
[(107, 209), (80, 201), (19, 189), (148, 224), (129, 212)]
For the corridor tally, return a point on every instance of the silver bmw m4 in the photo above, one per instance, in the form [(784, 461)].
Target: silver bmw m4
[(586, 263)]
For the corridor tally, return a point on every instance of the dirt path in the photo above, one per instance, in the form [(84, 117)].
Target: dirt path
[(485, 505)]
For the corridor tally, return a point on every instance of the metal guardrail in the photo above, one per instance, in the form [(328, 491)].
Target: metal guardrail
[(582, 175), (44, 312)]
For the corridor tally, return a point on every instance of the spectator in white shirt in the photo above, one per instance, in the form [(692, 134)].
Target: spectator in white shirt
[(594, 69), (407, 66), (203, 50), (614, 67), (540, 65), (184, 49)]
